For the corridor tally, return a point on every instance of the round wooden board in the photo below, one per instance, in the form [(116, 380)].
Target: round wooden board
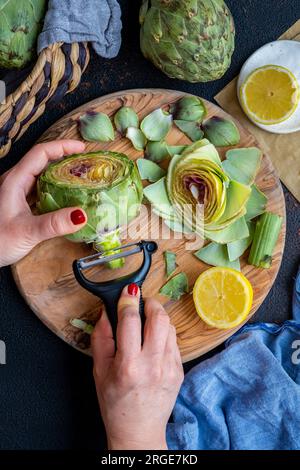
[(45, 276)]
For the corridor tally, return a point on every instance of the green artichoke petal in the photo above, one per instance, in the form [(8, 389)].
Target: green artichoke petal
[(156, 125), (243, 164), (124, 118), (176, 287), (170, 262), (137, 138), (177, 226), (237, 248), (237, 230), (256, 204), (236, 199), (150, 170), (157, 195), (191, 129), (215, 254), (203, 149), (157, 151)]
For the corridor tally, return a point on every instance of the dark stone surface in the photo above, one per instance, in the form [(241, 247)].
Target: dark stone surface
[(47, 397)]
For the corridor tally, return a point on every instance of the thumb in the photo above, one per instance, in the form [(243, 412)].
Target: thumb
[(58, 223)]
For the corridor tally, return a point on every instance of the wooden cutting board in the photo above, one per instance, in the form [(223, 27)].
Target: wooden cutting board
[(45, 276)]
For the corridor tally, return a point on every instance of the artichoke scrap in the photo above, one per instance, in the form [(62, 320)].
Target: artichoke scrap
[(199, 194), (190, 40), (20, 24), (106, 185)]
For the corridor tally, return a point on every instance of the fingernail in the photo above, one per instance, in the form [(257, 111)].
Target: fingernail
[(133, 289), (77, 217)]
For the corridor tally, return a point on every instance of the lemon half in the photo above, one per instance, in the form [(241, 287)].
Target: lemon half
[(223, 297), (270, 94)]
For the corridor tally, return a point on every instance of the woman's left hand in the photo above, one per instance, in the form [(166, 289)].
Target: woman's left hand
[(20, 230)]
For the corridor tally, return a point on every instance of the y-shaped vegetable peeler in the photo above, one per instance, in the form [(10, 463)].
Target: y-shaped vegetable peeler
[(110, 291)]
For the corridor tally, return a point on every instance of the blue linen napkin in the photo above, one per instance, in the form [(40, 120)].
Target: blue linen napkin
[(95, 21), (246, 397)]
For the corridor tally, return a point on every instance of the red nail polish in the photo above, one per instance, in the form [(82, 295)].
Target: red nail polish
[(78, 217), (133, 289)]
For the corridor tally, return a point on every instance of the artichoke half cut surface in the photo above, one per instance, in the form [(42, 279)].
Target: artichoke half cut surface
[(106, 185)]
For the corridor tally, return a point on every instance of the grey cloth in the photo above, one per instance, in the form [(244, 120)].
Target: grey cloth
[(95, 21)]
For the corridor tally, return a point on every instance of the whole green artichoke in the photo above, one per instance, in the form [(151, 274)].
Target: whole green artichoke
[(191, 40), (20, 24)]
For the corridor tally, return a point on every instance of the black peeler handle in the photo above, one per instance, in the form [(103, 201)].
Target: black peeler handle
[(110, 291)]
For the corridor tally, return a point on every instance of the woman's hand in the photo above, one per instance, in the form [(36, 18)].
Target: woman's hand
[(20, 230), (138, 384)]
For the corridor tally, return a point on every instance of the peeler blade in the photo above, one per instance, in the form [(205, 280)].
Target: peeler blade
[(102, 258)]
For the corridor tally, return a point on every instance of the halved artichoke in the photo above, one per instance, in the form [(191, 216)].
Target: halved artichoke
[(106, 185)]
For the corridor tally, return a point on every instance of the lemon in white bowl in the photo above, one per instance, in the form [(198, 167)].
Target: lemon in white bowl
[(269, 87)]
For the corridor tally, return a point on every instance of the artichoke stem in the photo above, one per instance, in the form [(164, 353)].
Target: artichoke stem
[(109, 243)]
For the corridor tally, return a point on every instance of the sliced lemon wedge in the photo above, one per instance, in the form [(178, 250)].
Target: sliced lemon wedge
[(223, 297), (270, 94)]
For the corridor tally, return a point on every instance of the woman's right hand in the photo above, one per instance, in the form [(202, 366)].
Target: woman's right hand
[(137, 384)]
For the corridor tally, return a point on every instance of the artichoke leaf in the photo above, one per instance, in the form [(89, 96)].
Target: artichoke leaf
[(243, 165), (237, 248), (124, 118), (136, 137), (156, 125), (191, 129), (157, 151), (96, 127), (149, 170), (203, 149), (189, 108), (237, 197), (256, 204), (176, 287), (237, 230), (175, 149), (170, 262), (157, 195), (215, 254), (221, 132), (177, 226)]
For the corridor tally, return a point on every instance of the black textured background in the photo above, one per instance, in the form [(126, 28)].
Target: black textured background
[(47, 398)]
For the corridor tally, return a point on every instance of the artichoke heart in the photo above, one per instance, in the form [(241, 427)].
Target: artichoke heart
[(197, 188), (106, 185)]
